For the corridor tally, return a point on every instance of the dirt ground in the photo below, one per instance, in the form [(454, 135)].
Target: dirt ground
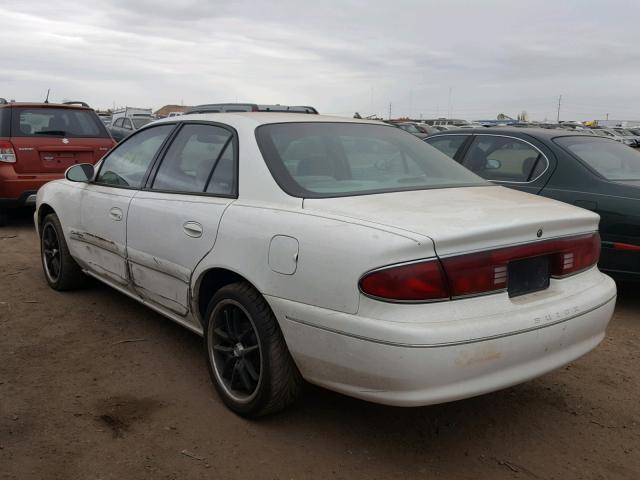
[(96, 386)]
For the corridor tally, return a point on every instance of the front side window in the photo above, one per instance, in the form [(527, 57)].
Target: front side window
[(318, 159), (61, 122), (447, 144), (195, 154), (128, 163), (127, 124), (504, 159), (613, 160)]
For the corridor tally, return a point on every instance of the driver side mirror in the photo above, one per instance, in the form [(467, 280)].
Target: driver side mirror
[(83, 172), (493, 164)]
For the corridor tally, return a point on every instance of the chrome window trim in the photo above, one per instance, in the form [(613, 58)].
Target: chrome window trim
[(522, 140), (504, 136)]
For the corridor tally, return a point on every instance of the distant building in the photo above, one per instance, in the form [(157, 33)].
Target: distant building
[(167, 109)]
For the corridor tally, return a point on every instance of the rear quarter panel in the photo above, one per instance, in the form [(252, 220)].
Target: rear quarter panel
[(333, 253)]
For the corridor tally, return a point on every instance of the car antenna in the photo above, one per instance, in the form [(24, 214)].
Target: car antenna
[(46, 100)]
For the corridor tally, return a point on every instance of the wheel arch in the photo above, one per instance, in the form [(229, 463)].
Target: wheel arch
[(208, 283), (43, 210)]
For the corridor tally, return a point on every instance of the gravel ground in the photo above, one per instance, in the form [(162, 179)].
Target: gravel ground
[(96, 386)]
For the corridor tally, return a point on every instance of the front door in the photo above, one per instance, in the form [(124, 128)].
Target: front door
[(173, 224), (100, 236)]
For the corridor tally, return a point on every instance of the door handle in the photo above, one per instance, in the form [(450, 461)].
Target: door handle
[(116, 214), (193, 229)]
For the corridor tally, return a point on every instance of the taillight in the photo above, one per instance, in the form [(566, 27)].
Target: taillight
[(414, 282), (7, 154), (477, 273), (485, 272)]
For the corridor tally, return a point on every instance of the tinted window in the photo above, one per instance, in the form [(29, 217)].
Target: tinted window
[(611, 159), (191, 158), (127, 165), (63, 122), (336, 159), (223, 180), (447, 144), (504, 159), (140, 122)]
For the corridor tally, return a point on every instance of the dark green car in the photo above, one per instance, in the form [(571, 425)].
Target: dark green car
[(591, 172)]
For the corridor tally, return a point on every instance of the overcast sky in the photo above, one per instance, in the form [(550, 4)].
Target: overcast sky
[(469, 59)]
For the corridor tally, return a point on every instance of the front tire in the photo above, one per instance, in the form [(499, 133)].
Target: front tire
[(248, 359), (60, 269)]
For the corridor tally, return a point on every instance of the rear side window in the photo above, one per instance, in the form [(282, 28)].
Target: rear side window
[(447, 144), (193, 159), (613, 160), (323, 159), (128, 163), (62, 122), (504, 159)]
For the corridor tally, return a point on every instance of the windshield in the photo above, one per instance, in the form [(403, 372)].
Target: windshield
[(140, 121), (340, 159), (612, 160), (64, 122)]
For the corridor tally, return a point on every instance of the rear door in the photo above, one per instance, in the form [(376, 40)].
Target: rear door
[(174, 222), (99, 240), (510, 161), (51, 139)]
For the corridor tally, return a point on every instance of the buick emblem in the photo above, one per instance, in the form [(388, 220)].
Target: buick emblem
[(539, 233), (65, 140)]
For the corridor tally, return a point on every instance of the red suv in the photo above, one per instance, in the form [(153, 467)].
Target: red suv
[(39, 141)]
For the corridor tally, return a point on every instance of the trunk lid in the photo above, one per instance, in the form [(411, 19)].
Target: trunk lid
[(466, 219)]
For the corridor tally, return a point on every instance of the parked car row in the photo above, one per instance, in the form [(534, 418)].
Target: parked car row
[(592, 172), (345, 252)]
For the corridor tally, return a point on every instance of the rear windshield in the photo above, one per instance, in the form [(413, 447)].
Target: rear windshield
[(613, 160), (319, 160), (64, 122)]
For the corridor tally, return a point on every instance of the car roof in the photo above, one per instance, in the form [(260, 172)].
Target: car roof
[(74, 106), (545, 133), (262, 118)]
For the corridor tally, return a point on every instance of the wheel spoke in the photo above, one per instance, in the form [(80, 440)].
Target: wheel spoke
[(244, 378), (222, 334), (227, 319), (251, 371), (227, 370), (234, 374), (224, 350), (248, 350)]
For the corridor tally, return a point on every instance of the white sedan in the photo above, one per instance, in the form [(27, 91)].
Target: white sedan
[(344, 252)]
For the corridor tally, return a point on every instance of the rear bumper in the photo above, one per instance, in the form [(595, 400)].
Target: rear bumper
[(407, 364), (17, 190)]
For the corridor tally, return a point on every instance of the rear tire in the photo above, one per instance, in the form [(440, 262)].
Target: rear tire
[(248, 359), (60, 269)]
